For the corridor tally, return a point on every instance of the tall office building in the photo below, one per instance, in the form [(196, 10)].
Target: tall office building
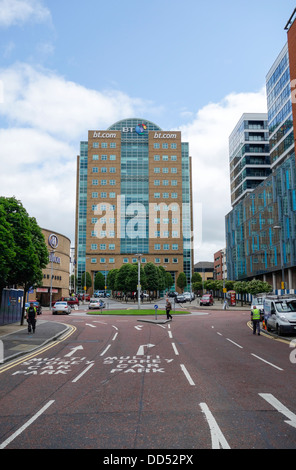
[(134, 197), (261, 228), (248, 155)]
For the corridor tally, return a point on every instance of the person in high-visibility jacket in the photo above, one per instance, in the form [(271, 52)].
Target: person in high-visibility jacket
[(256, 318)]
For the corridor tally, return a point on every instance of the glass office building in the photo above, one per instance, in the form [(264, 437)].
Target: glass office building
[(133, 197), (248, 155), (260, 229)]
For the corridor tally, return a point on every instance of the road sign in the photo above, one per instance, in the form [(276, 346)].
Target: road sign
[(156, 307)]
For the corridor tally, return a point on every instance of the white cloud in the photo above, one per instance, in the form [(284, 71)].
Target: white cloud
[(48, 116), (208, 136), (14, 12), (48, 102)]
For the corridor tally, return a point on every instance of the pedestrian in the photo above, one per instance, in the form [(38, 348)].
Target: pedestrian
[(31, 317), (256, 318), (225, 305), (168, 308)]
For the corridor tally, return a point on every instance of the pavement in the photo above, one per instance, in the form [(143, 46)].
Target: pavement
[(15, 340)]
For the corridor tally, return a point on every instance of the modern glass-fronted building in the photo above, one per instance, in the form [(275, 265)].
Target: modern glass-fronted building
[(248, 155), (260, 229), (134, 197)]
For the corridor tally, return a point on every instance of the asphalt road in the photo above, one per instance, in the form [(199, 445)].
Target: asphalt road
[(202, 381)]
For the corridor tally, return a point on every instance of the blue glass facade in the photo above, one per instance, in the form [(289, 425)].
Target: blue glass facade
[(260, 230)]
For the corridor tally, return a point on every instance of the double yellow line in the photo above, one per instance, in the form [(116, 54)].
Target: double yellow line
[(38, 351)]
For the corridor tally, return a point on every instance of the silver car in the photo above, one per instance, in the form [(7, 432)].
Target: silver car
[(61, 308), (96, 303)]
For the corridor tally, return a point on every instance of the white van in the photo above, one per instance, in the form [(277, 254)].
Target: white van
[(280, 314)]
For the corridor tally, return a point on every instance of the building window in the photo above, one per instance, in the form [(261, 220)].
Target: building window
[(156, 146), (95, 157), (157, 260), (175, 246), (95, 145), (94, 246), (95, 169), (95, 182), (156, 246), (94, 195), (166, 246), (112, 157), (93, 260), (156, 158)]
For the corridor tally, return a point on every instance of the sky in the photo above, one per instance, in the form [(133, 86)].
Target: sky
[(67, 67)]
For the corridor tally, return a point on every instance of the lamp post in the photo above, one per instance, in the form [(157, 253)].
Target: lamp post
[(138, 255), (51, 274), (279, 227), (87, 257)]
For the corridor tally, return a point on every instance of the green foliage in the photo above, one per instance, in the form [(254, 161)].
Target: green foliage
[(99, 281), (182, 281), (23, 249)]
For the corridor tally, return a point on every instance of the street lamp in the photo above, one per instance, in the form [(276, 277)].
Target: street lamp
[(278, 227), (87, 257), (138, 255), (51, 275)]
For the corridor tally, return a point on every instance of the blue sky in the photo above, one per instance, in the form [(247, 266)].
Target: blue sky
[(67, 67)]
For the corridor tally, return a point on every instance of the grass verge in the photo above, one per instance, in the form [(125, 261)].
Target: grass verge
[(134, 312)]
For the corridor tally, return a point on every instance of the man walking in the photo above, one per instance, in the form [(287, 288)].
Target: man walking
[(168, 308), (31, 317), (256, 317)]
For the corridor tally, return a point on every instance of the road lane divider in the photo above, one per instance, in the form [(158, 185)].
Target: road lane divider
[(218, 439), (187, 375), (26, 425), (269, 363)]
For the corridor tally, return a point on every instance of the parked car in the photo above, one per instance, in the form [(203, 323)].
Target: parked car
[(280, 314), (81, 297), (173, 294), (180, 298), (189, 296), (206, 299), (36, 304), (96, 304), (61, 307)]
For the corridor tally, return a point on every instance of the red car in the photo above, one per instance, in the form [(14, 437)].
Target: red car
[(207, 299), (70, 301)]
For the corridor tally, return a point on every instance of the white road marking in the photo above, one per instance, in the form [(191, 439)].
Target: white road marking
[(234, 343), (187, 375), (141, 349), (26, 425), (114, 337), (89, 324), (218, 440), (280, 407), (105, 350), (82, 373), (276, 367), (175, 349), (73, 351)]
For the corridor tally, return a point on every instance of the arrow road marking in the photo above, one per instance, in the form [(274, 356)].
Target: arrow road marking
[(73, 351), (141, 349), (89, 324), (280, 407)]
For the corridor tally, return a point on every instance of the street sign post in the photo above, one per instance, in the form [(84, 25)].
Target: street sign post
[(155, 307)]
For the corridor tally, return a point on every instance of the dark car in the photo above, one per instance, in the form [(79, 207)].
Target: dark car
[(36, 304), (207, 299), (173, 294), (180, 298)]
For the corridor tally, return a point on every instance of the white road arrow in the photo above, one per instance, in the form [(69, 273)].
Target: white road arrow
[(73, 351), (280, 407), (141, 349), (89, 324)]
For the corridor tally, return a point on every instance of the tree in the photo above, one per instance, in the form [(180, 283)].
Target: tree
[(99, 281), (152, 277), (241, 287), (169, 281), (29, 247), (86, 281), (196, 277), (256, 287), (182, 281), (111, 278)]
